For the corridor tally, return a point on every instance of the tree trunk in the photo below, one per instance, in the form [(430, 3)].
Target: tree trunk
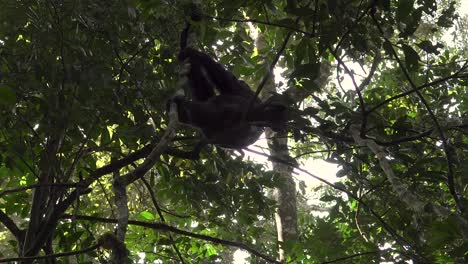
[(285, 195)]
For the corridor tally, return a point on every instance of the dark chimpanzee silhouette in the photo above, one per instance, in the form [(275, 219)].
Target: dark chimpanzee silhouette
[(229, 119), (223, 118)]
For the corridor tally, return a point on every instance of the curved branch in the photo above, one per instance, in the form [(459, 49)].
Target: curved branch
[(11, 226)]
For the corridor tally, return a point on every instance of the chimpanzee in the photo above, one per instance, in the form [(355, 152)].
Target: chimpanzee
[(224, 118)]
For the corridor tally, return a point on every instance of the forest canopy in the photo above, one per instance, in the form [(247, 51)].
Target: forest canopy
[(94, 169)]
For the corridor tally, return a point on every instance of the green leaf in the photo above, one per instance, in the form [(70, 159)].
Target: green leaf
[(443, 232), (447, 17), (411, 58), (411, 23), (308, 70), (286, 22), (7, 95), (73, 238), (165, 241), (341, 173), (327, 198), (427, 46), (147, 216), (310, 85), (301, 51), (303, 11), (311, 111), (388, 48), (210, 250), (404, 8), (429, 6)]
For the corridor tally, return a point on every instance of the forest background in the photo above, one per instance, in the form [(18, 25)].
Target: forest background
[(92, 169)]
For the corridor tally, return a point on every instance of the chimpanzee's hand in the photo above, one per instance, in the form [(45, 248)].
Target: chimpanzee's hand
[(177, 99)]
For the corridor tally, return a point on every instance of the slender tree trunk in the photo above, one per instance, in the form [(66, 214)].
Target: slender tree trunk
[(285, 195)]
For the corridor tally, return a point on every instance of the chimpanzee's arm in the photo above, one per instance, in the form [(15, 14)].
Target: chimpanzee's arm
[(224, 80), (202, 89)]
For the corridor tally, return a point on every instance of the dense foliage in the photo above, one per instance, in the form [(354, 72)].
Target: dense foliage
[(83, 86)]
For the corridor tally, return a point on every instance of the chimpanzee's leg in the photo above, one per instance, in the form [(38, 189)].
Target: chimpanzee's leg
[(199, 114), (224, 80)]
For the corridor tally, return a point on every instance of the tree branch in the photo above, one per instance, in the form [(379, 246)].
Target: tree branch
[(161, 216), (444, 79), (168, 228), (51, 256), (411, 200), (11, 226), (399, 239), (450, 177)]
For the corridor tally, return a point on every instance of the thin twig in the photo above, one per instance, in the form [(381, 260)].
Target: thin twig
[(352, 256), (161, 216), (426, 85), (362, 106)]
